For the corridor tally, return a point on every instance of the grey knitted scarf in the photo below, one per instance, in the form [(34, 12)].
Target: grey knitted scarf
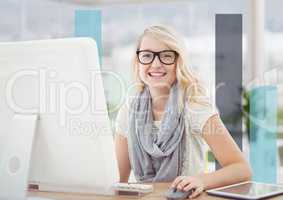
[(156, 157)]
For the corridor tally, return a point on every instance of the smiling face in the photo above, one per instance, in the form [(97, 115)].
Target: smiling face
[(156, 74)]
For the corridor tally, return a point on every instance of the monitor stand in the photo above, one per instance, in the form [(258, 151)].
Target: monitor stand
[(16, 157)]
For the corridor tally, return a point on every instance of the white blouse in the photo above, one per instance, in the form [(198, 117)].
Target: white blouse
[(195, 149)]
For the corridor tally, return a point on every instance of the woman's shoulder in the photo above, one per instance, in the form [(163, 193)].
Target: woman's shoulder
[(127, 103), (121, 123), (205, 105), (197, 114), (125, 107)]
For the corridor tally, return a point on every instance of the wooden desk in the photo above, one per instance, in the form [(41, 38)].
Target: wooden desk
[(158, 194)]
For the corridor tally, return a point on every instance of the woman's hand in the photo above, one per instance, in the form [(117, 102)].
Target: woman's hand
[(185, 183)]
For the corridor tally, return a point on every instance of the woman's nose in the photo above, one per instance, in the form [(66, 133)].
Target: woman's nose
[(156, 62)]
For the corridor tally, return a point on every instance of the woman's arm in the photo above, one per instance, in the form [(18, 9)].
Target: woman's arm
[(234, 166), (121, 147)]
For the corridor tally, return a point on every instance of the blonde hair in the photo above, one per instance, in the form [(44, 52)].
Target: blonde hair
[(188, 81)]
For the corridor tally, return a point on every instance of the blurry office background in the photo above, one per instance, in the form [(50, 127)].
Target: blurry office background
[(124, 20)]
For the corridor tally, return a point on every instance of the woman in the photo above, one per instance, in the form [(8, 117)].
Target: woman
[(161, 132)]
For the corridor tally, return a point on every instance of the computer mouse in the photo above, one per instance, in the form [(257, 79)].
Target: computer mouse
[(174, 194)]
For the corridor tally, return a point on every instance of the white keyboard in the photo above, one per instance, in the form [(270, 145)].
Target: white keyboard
[(133, 189)]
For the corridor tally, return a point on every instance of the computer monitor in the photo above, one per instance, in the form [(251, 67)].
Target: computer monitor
[(53, 118)]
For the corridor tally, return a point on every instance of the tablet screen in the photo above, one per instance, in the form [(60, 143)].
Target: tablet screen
[(252, 189), (248, 190)]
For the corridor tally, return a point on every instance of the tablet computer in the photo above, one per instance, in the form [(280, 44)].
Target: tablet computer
[(248, 190)]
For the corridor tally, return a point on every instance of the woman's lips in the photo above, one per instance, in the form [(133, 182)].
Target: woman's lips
[(157, 74)]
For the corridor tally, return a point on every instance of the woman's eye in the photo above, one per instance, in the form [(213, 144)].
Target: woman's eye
[(167, 56), (147, 55)]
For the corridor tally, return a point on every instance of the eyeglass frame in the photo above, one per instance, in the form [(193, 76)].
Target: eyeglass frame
[(157, 53)]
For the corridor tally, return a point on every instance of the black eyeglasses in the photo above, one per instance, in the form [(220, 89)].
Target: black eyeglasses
[(167, 57)]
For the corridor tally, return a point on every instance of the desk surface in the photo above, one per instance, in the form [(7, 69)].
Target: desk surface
[(159, 189)]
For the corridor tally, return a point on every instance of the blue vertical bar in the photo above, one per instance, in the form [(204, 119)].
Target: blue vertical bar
[(88, 24), (263, 125)]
